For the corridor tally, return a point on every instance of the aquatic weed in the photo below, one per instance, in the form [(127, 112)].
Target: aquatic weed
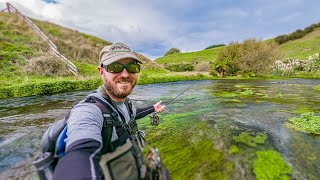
[(316, 88), (234, 149), (307, 122), (270, 165), (247, 92), (251, 139)]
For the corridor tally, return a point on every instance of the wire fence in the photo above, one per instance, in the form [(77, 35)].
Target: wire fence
[(11, 9)]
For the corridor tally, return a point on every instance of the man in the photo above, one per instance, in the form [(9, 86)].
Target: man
[(86, 156)]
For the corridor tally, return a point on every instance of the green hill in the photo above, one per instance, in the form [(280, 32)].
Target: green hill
[(299, 48), (204, 55), (27, 66), (304, 47), (20, 46)]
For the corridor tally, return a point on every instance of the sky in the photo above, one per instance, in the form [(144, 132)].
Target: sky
[(152, 27)]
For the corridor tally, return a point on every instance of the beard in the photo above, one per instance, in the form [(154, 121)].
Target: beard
[(118, 90)]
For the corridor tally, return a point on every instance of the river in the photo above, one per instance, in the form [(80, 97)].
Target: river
[(227, 106)]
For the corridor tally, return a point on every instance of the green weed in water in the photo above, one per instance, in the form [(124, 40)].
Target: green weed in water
[(247, 92), (307, 122), (280, 95), (226, 94), (270, 165), (187, 147), (302, 110), (316, 88), (234, 149), (240, 86), (251, 139)]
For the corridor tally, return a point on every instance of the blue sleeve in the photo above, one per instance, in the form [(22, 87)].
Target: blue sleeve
[(85, 122), (81, 161)]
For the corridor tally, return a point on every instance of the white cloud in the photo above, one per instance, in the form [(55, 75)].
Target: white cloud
[(153, 27), (289, 18), (235, 12)]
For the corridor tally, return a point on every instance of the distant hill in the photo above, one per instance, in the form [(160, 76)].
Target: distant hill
[(300, 48), (204, 55)]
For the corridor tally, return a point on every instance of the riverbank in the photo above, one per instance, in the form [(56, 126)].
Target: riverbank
[(59, 85), (51, 85)]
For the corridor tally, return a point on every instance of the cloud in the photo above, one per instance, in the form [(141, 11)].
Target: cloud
[(290, 17), (235, 12), (153, 27)]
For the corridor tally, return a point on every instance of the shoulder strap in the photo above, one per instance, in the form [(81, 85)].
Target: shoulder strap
[(133, 124), (110, 120)]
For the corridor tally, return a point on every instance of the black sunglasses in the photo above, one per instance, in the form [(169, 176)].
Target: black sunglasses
[(118, 67)]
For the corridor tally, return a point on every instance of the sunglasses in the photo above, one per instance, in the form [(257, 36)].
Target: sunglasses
[(118, 67)]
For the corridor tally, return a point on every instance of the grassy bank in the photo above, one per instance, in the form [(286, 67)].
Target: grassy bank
[(37, 85)]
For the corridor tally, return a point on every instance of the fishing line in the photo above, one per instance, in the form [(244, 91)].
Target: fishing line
[(154, 118)]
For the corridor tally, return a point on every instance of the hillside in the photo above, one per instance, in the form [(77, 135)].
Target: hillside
[(21, 50), (299, 48), (28, 67), (204, 55), (303, 47)]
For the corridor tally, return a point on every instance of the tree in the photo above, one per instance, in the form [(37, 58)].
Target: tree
[(225, 63)]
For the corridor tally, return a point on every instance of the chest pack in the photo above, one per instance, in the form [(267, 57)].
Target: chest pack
[(53, 141)]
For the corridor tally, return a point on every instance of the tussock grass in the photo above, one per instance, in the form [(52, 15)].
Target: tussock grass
[(73, 44)]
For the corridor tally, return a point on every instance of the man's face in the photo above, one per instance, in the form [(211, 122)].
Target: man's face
[(119, 85)]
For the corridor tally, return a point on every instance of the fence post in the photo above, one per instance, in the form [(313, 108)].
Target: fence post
[(52, 46), (8, 7)]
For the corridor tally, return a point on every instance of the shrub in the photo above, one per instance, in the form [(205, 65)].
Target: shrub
[(256, 57), (251, 57), (172, 51), (179, 67), (281, 39), (46, 66), (297, 34), (203, 66), (214, 46)]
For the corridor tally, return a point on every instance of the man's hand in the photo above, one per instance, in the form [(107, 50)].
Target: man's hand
[(158, 107)]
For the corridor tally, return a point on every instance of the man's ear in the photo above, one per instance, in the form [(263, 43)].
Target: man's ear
[(100, 69)]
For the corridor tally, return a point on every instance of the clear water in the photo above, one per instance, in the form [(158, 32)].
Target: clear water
[(271, 103)]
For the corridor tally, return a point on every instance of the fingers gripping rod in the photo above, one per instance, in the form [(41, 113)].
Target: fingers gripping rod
[(154, 118)]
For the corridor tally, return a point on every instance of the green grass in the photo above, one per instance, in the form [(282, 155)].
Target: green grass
[(302, 48), (199, 56)]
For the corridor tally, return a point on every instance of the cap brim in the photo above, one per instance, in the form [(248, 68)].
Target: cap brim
[(118, 57)]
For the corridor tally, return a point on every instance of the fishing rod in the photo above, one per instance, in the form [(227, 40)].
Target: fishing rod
[(154, 118)]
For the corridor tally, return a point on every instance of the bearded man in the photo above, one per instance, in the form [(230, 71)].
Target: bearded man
[(88, 154)]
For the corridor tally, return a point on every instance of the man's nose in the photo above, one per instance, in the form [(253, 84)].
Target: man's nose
[(124, 73)]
